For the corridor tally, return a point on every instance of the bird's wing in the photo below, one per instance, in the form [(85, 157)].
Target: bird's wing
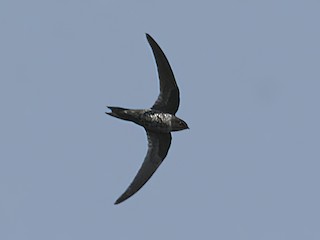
[(168, 99), (158, 147)]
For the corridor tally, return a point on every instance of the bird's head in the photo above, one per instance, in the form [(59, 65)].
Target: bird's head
[(178, 124)]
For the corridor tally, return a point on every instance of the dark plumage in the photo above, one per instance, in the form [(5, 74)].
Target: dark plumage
[(159, 121)]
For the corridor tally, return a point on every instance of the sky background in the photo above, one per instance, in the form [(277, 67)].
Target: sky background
[(249, 79)]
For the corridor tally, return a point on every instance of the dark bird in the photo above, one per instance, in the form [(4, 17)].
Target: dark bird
[(159, 121)]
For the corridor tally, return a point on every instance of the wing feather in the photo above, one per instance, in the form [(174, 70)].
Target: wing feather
[(158, 147), (168, 99)]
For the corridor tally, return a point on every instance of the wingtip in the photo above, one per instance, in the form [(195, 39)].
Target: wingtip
[(122, 198), (149, 38), (117, 201)]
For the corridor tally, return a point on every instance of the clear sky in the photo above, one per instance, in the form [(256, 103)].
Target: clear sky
[(249, 79)]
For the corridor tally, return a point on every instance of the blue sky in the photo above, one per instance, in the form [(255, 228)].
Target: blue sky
[(249, 79)]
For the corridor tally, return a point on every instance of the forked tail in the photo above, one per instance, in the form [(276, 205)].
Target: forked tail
[(119, 112)]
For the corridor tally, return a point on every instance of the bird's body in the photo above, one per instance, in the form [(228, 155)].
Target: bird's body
[(158, 121), (151, 120)]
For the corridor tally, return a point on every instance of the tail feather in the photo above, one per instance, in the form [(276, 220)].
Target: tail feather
[(118, 112)]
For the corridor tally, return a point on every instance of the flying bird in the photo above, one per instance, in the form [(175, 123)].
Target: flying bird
[(158, 121)]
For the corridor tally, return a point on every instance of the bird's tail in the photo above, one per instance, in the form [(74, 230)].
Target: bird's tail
[(119, 112)]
